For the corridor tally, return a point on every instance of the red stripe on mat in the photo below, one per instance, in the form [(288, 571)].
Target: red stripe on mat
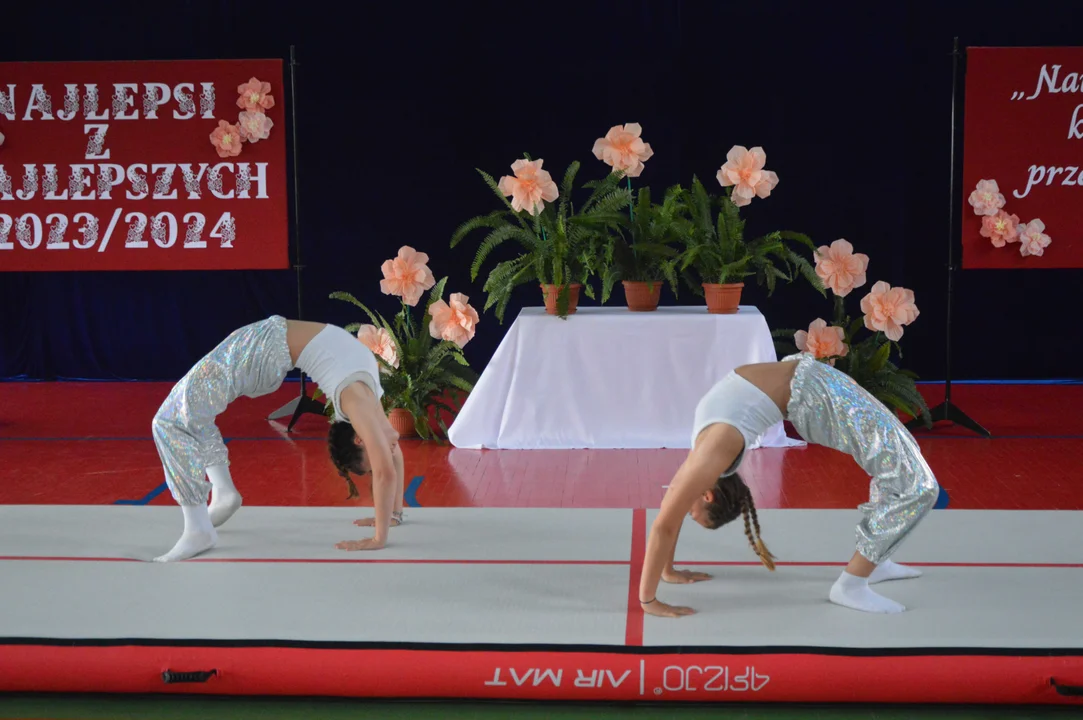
[(557, 676), (639, 546), (633, 633)]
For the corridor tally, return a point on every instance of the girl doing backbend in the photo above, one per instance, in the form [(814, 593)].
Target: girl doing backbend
[(828, 408)]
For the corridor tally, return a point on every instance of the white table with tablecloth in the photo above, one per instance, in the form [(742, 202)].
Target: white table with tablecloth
[(609, 378)]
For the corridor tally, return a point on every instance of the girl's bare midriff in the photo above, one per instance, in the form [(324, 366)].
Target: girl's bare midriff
[(299, 334), (773, 379)]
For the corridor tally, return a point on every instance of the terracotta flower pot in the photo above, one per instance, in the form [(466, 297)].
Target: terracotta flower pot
[(403, 422), (552, 291), (642, 296), (723, 299)]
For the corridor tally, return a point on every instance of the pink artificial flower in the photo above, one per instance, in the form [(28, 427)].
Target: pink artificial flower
[(623, 149), (744, 171), (454, 322), (530, 186), (986, 198), (840, 268), (1031, 238), (378, 340), (255, 126), (227, 139), (822, 341), (254, 96), (407, 275), (1001, 228), (888, 309)]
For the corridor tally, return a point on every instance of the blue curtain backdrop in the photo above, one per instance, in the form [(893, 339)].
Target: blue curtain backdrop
[(399, 102)]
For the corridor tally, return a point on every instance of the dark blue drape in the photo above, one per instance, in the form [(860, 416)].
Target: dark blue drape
[(398, 103)]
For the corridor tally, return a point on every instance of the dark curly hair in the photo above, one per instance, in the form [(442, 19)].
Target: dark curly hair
[(731, 497), (346, 455)]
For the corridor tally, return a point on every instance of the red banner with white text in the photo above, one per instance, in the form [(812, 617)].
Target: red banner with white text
[(172, 165), (1024, 132)]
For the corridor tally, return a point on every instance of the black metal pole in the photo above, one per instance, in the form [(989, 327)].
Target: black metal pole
[(946, 410), (303, 403)]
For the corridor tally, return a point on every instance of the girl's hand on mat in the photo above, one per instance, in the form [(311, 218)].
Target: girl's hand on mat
[(660, 609), (371, 522), (366, 544), (683, 577)]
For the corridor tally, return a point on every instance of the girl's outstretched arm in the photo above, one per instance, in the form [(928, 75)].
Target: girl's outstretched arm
[(715, 451)]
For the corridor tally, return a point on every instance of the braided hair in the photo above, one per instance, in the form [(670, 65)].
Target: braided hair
[(346, 455), (731, 497)]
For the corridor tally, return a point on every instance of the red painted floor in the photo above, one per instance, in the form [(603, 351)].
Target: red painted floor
[(77, 443)]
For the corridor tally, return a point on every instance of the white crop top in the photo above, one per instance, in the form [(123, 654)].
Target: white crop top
[(334, 359), (737, 402)]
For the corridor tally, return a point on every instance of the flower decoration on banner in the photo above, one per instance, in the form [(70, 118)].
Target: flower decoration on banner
[(1032, 239), (227, 139), (986, 198), (2, 138), (744, 171), (623, 149), (422, 366), (840, 269), (530, 188), (255, 96), (822, 341), (255, 126), (254, 99), (1000, 227), (886, 310)]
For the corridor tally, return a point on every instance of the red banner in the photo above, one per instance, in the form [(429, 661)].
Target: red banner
[(124, 166), (1024, 130)]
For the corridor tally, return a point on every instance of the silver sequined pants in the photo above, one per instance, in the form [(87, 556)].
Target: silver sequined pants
[(828, 408), (252, 361)]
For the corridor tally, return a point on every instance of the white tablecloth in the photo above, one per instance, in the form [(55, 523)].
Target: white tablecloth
[(609, 378)]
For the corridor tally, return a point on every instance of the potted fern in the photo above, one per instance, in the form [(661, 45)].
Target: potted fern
[(643, 251), (422, 365), (716, 257), (562, 247)]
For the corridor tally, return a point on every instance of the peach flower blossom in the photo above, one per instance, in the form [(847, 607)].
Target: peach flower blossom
[(1032, 239), (986, 198), (744, 171), (255, 126), (822, 341), (254, 96), (227, 139), (840, 268), (1001, 228), (623, 149), (888, 309), (530, 186), (454, 322), (378, 340), (407, 275)]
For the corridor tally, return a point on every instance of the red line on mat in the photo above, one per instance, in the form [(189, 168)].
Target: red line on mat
[(633, 632), (639, 546)]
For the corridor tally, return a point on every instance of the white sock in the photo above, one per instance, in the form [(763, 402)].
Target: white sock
[(199, 535), (853, 592), (889, 570), (225, 500)]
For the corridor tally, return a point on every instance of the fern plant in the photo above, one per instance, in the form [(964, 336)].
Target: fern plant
[(560, 246), (869, 363), (645, 247), (427, 369), (715, 249)]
